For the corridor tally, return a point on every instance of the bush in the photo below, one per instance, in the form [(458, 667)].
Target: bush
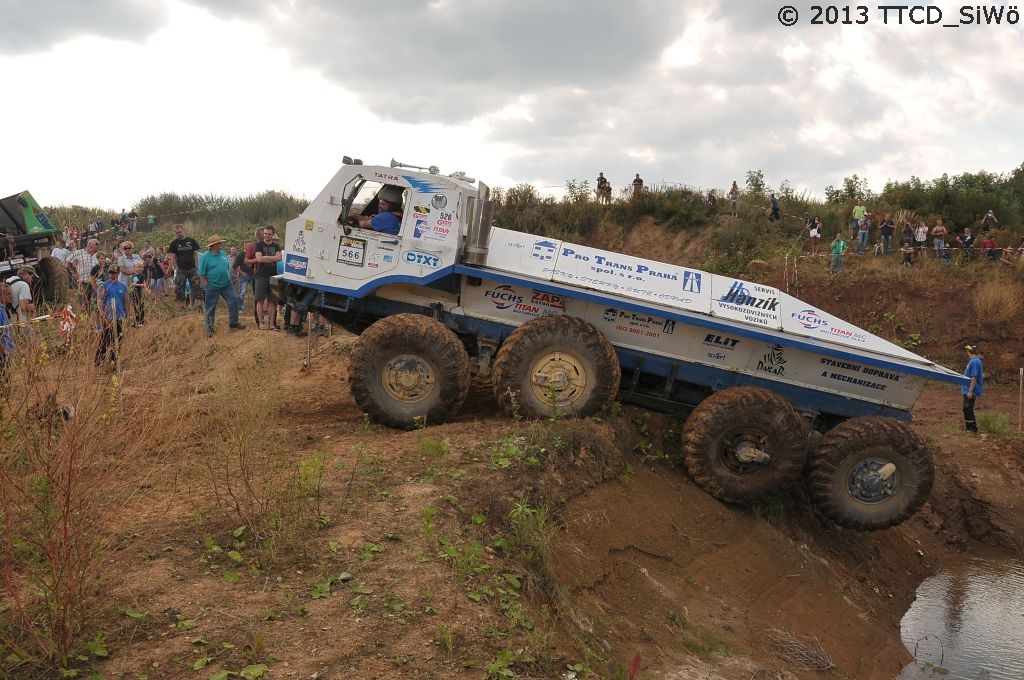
[(995, 423), (996, 303)]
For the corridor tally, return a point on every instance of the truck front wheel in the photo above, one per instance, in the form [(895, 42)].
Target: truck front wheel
[(871, 473), (744, 444), (408, 370), (555, 365)]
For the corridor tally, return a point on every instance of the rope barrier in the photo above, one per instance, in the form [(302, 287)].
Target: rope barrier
[(66, 322)]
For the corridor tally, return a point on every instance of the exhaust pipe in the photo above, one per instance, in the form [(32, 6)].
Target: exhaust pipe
[(481, 212)]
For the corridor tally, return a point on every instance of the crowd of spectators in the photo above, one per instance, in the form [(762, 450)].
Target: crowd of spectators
[(111, 290), (912, 242)]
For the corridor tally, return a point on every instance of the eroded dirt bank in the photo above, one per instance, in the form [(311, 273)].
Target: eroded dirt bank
[(657, 566)]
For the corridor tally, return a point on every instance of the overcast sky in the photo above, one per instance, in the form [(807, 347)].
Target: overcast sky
[(108, 101)]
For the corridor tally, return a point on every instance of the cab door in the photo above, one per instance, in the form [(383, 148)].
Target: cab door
[(356, 253)]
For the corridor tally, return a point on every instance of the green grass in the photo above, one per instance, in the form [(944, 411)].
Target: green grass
[(995, 423)]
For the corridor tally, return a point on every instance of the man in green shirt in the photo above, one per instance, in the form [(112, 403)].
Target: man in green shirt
[(859, 213), (838, 248), (215, 275)]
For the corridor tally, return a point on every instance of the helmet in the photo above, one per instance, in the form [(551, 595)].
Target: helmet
[(391, 194)]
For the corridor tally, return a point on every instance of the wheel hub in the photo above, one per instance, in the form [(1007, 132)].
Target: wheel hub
[(744, 451), (873, 480), (408, 378), (558, 379)]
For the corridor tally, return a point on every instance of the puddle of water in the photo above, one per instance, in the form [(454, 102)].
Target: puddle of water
[(968, 622)]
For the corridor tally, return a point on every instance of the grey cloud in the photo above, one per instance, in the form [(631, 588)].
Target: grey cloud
[(696, 140), (451, 61), (37, 25)]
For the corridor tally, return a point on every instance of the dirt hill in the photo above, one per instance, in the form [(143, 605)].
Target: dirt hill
[(262, 525)]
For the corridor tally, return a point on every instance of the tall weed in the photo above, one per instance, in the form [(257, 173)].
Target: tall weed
[(71, 435), (996, 303)]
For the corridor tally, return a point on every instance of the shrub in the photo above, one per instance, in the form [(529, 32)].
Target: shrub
[(996, 423), (996, 303)]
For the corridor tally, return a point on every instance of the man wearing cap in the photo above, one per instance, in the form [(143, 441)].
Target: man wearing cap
[(976, 373), (114, 299), (215, 275), (21, 293), (388, 219)]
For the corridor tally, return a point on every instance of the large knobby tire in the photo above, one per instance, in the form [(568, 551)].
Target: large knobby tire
[(53, 280), (555, 365), (733, 423), (845, 482), (409, 370)]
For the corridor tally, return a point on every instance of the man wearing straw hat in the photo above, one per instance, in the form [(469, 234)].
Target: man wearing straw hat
[(215, 275)]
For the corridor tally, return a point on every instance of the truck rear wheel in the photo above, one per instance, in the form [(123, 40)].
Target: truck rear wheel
[(555, 365), (408, 370), (53, 279), (871, 473), (744, 444)]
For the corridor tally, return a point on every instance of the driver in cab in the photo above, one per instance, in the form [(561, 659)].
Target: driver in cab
[(388, 219)]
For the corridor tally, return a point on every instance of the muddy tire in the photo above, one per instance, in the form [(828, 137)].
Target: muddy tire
[(408, 370), (555, 365), (844, 482), (53, 280), (736, 419)]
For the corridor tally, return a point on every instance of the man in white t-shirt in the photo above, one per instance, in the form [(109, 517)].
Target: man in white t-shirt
[(60, 251), (21, 293)]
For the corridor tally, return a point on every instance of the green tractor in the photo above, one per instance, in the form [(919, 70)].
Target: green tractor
[(26, 236)]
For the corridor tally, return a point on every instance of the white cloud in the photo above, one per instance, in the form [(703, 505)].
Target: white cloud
[(134, 98)]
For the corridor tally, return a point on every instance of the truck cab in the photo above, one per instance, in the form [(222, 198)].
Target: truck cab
[(327, 250)]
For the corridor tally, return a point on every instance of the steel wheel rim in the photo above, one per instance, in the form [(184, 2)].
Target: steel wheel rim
[(865, 486), (558, 378), (408, 378)]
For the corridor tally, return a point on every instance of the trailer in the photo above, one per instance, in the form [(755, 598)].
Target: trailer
[(768, 384)]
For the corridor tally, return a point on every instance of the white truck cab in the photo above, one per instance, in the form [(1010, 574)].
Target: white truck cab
[(326, 250)]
